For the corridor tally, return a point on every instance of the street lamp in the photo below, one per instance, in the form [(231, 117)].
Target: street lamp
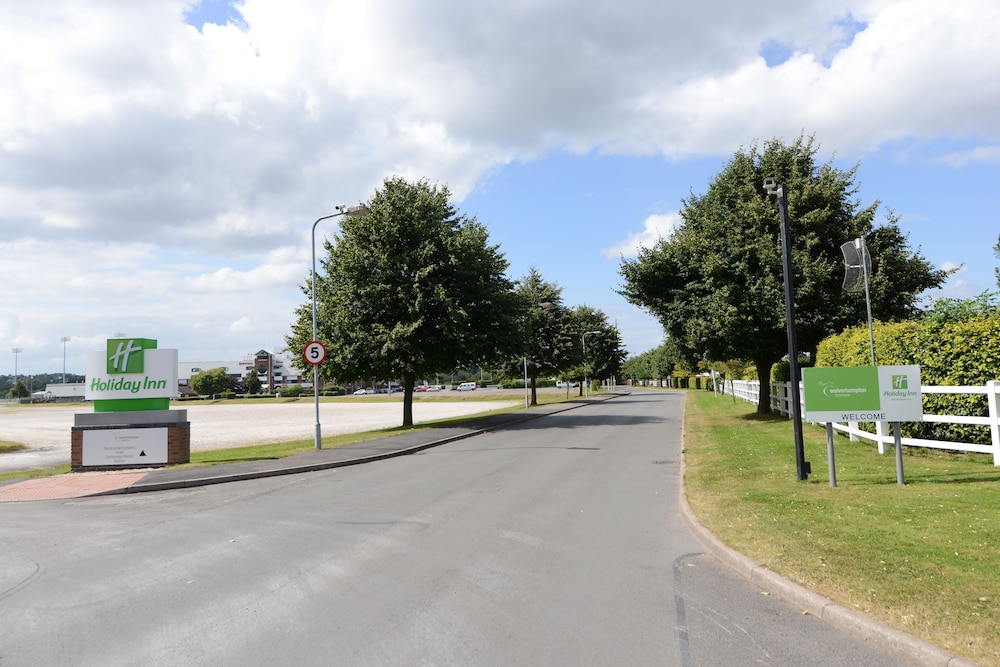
[(802, 467), (16, 352), (64, 340), (349, 212), (584, 339)]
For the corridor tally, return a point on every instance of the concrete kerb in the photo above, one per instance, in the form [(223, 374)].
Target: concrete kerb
[(293, 469), (853, 623)]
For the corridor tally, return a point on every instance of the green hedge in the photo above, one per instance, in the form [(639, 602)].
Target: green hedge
[(962, 353)]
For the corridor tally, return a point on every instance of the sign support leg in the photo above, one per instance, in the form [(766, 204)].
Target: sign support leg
[(829, 455), (899, 454)]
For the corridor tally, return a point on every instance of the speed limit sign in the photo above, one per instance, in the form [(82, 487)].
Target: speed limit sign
[(314, 352)]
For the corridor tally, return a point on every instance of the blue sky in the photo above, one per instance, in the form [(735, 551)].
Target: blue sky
[(162, 161)]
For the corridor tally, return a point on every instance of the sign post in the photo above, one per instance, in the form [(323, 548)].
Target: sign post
[(314, 353), (864, 393)]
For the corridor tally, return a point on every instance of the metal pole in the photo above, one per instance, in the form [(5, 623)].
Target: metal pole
[(801, 466), (65, 339), (526, 405), (319, 436), (16, 352), (341, 210), (868, 297), (584, 338), (899, 454), (831, 463)]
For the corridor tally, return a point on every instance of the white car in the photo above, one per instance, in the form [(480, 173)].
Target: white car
[(360, 392), (467, 386)]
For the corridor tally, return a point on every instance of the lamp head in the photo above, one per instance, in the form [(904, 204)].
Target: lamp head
[(351, 211), (771, 186)]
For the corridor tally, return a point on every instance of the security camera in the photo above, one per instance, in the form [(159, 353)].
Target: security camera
[(770, 186)]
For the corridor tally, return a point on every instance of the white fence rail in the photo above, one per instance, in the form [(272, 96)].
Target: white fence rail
[(780, 394)]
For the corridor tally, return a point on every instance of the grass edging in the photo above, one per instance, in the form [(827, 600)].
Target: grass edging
[(919, 560)]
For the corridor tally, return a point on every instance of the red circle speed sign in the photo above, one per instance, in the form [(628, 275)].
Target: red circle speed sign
[(314, 352)]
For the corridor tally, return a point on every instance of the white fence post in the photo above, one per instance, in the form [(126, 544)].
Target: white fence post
[(991, 399)]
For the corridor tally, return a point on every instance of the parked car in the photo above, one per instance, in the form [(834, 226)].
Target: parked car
[(360, 392), (467, 386), (422, 387)]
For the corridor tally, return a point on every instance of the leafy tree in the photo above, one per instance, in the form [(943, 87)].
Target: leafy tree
[(19, 390), (956, 310), (412, 288), (546, 340), (996, 253), (717, 285), (210, 382), (605, 348), (253, 382)]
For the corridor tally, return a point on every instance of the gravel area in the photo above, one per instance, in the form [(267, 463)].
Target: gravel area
[(46, 429)]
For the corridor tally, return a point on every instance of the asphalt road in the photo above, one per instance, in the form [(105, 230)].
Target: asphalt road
[(555, 542)]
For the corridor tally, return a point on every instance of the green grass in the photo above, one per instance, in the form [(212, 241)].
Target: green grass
[(924, 558)]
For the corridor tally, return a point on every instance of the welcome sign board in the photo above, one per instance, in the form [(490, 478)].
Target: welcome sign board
[(863, 394), (130, 375)]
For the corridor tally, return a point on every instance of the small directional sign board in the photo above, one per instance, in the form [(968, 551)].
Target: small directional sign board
[(314, 352)]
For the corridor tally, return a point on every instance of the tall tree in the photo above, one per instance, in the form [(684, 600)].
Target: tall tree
[(996, 253), (605, 350), (411, 288), (716, 283), (546, 331)]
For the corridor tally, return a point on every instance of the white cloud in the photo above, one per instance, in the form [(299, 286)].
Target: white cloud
[(655, 227), (149, 169)]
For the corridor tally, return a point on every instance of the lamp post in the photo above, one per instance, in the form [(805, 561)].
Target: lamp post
[(349, 212), (584, 339), (802, 467), (526, 404), (64, 340), (16, 352)]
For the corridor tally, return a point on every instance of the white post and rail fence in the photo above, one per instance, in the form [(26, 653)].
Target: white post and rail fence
[(780, 393)]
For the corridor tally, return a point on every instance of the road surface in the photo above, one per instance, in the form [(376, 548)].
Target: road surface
[(556, 542)]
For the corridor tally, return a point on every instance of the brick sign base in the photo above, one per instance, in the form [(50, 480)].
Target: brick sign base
[(120, 437)]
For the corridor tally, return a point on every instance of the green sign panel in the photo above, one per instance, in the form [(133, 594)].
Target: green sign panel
[(126, 355), (862, 393)]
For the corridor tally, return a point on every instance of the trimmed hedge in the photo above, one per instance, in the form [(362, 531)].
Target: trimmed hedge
[(960, 353)]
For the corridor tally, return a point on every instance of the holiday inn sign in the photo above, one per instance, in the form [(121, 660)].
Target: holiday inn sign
[(862, 394), (131, 374)]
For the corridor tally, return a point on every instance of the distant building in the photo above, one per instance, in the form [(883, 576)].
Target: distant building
[(64, 392), (273, 370)]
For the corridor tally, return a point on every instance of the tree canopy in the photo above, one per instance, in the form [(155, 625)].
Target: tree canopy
[(716, 284), (546, 340), (411, 288), (210, 382)]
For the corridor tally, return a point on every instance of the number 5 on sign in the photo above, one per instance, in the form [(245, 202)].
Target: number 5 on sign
[(314, 352)]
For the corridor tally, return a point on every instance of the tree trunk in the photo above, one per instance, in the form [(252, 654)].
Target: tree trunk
[(534, 393), (764, 375), (409, 378)]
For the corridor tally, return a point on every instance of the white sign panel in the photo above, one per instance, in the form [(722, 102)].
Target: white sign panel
[(158, 378), (124, 446)]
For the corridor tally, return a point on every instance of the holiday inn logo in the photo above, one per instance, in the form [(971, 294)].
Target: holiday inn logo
[(126, 355), (899, 382)]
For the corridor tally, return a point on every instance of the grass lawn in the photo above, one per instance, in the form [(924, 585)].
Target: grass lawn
[(924, 558)]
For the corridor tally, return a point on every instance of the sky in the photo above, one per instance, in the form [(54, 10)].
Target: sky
[(162, 161)]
